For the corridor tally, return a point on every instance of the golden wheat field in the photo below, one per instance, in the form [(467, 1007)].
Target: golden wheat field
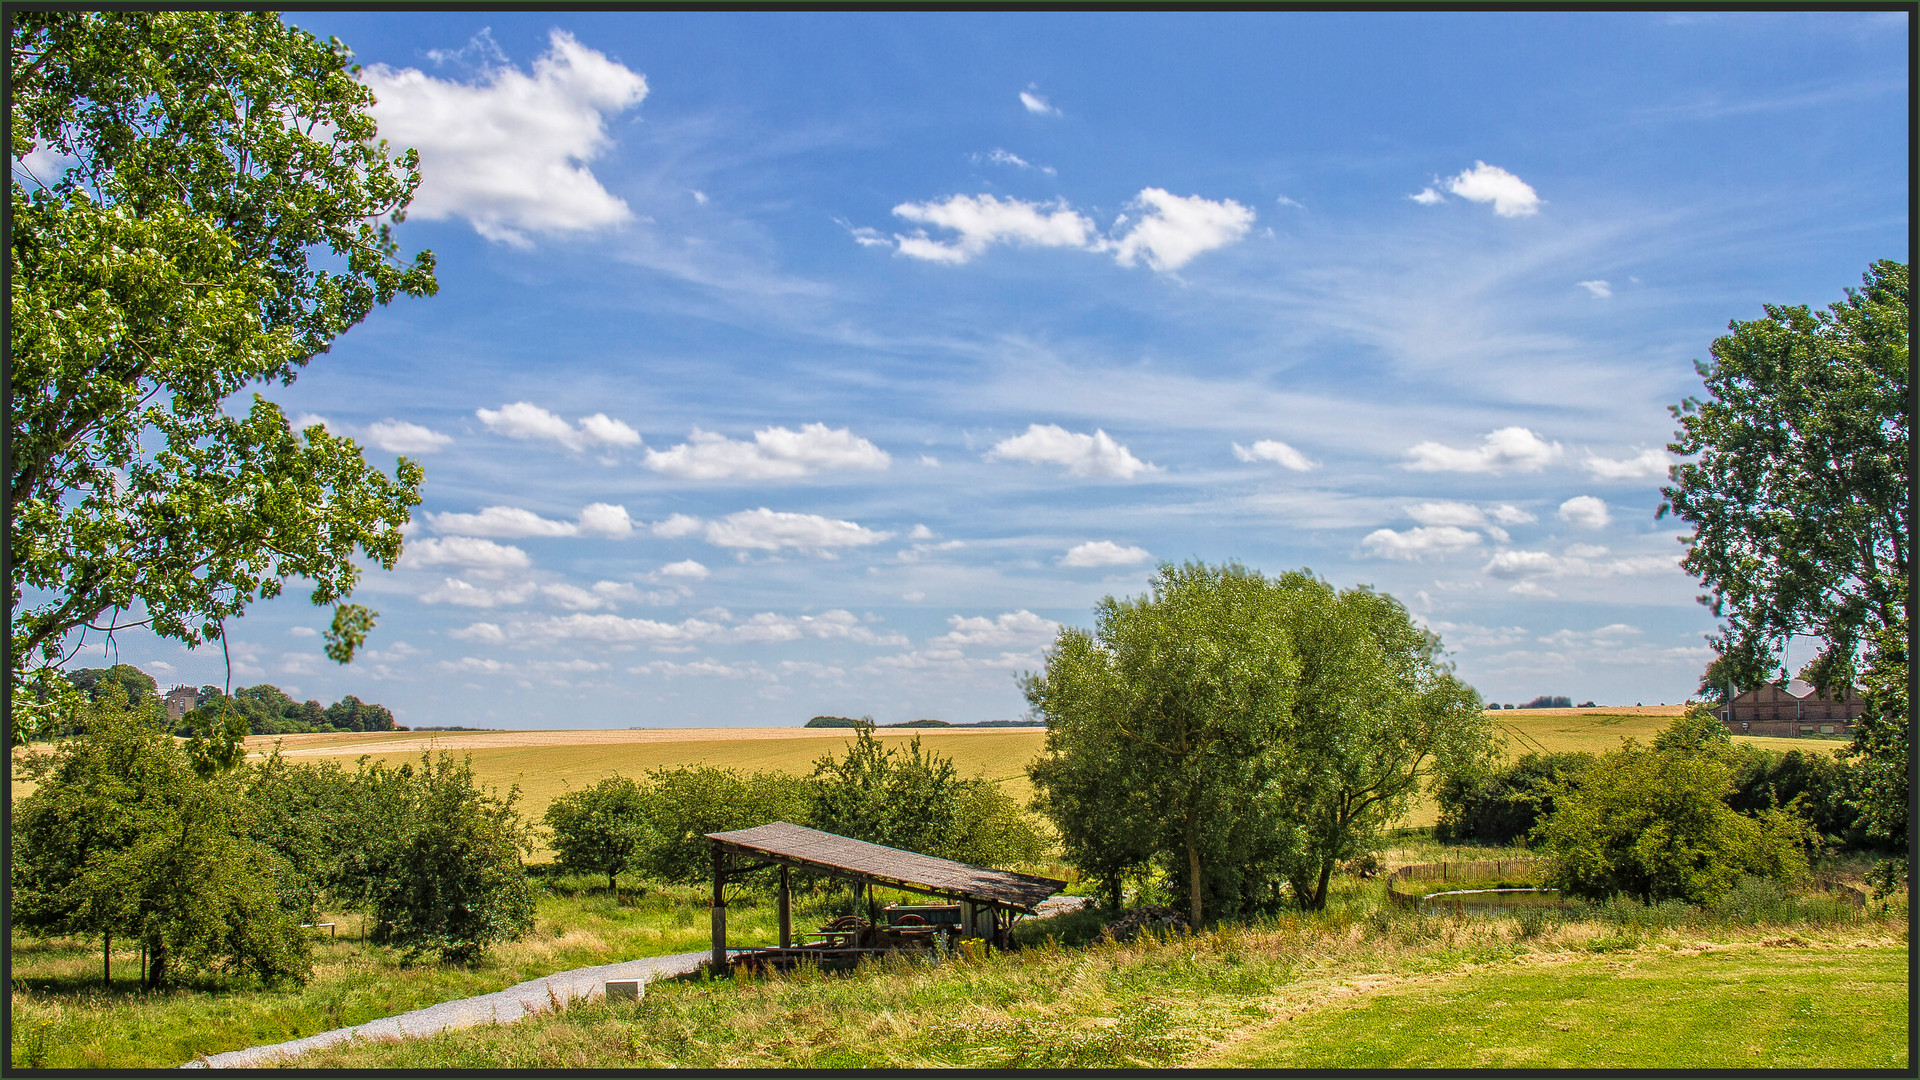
[(546, 763)]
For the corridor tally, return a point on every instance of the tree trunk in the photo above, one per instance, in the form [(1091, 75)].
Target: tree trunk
[(106, 958), (611, 887), (1193, 878), (1112, 883), (1320, 890), (156, 967)]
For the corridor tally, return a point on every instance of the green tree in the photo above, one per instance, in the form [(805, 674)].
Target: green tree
[(1376, 715), (440, 863), (1503, 805), (126, 682), (1656, 826), (1798, 491), (215, 215), (120, 838), (687, 802), (603, 829), (1185, 695), (1083, 782), (1697, 731), (1882, 748)]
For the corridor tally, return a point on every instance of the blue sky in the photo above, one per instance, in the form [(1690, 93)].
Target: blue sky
[(803, 363)]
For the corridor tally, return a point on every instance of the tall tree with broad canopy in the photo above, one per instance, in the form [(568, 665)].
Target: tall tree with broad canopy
[(1376, 714), (1798, 487), (1243, 731), (199, 202)]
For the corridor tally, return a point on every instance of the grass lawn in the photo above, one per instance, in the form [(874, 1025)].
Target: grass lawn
[(1748, 1007), (1227, 997), (62, 1017)]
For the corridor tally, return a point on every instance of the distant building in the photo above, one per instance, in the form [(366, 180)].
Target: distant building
[(180, 701), (1794, 709)]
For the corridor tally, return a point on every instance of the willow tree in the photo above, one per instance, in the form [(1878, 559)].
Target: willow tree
[(200, 202), (1243, 732), (1166, 723)]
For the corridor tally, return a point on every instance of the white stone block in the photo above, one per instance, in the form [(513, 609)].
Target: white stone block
[(626, 989)]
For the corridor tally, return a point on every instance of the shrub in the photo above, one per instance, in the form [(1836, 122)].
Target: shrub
[(1503, 806), (1656, 827), (122, 838), (604, 829), (687, 802), (441, 865)]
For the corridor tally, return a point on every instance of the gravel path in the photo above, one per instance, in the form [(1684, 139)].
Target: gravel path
[(501, 1007)]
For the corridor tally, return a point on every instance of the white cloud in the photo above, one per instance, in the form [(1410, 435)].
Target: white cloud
[(1484, 183), (1275, 451), (500, 521), (1082, 455), (525, 420), (1428, 197), (1600, 289), (1418, 543), (619, 592), (676, 526), (480, 631), (983, 220), (466, 594), (604, 430), (464, 551), (1510, 449), (509, 154), (1014, 629), (303, 631), (1585, 511), (575, 598), (702, 668), (685, 568), (1511, 515), (1036, 104), (1526, 564), (764, 628), (775, 453), (1473, 635), (604, 519), (1103, 553), (1646, 465), (769, 530), (307, 420), (1006, 157), (1447, 513), (1175, 229), (1585, 551), (1533, 588), (400, 437), (1295, 203), (596, 519)]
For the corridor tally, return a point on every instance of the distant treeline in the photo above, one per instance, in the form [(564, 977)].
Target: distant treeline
[(267, 708), (850, 722), (1547, 701)]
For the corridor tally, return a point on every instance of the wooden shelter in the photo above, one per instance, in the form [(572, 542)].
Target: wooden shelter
[(1794, 709), (983, 895)]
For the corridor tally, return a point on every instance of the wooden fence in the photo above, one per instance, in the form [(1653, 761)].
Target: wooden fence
[(1442, 872)]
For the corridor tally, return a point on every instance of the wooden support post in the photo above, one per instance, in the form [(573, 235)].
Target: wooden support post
[(719, 911), (786, 909)]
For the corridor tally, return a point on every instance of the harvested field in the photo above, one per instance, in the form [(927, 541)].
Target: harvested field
[(548, 763)]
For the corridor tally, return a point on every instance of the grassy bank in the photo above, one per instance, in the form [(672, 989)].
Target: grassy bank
[(1228, 996), (63, 1017)]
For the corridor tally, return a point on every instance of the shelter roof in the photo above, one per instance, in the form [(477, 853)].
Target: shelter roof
[(844, 855)]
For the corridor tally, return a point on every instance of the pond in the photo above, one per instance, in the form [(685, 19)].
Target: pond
[(1491, 901)]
